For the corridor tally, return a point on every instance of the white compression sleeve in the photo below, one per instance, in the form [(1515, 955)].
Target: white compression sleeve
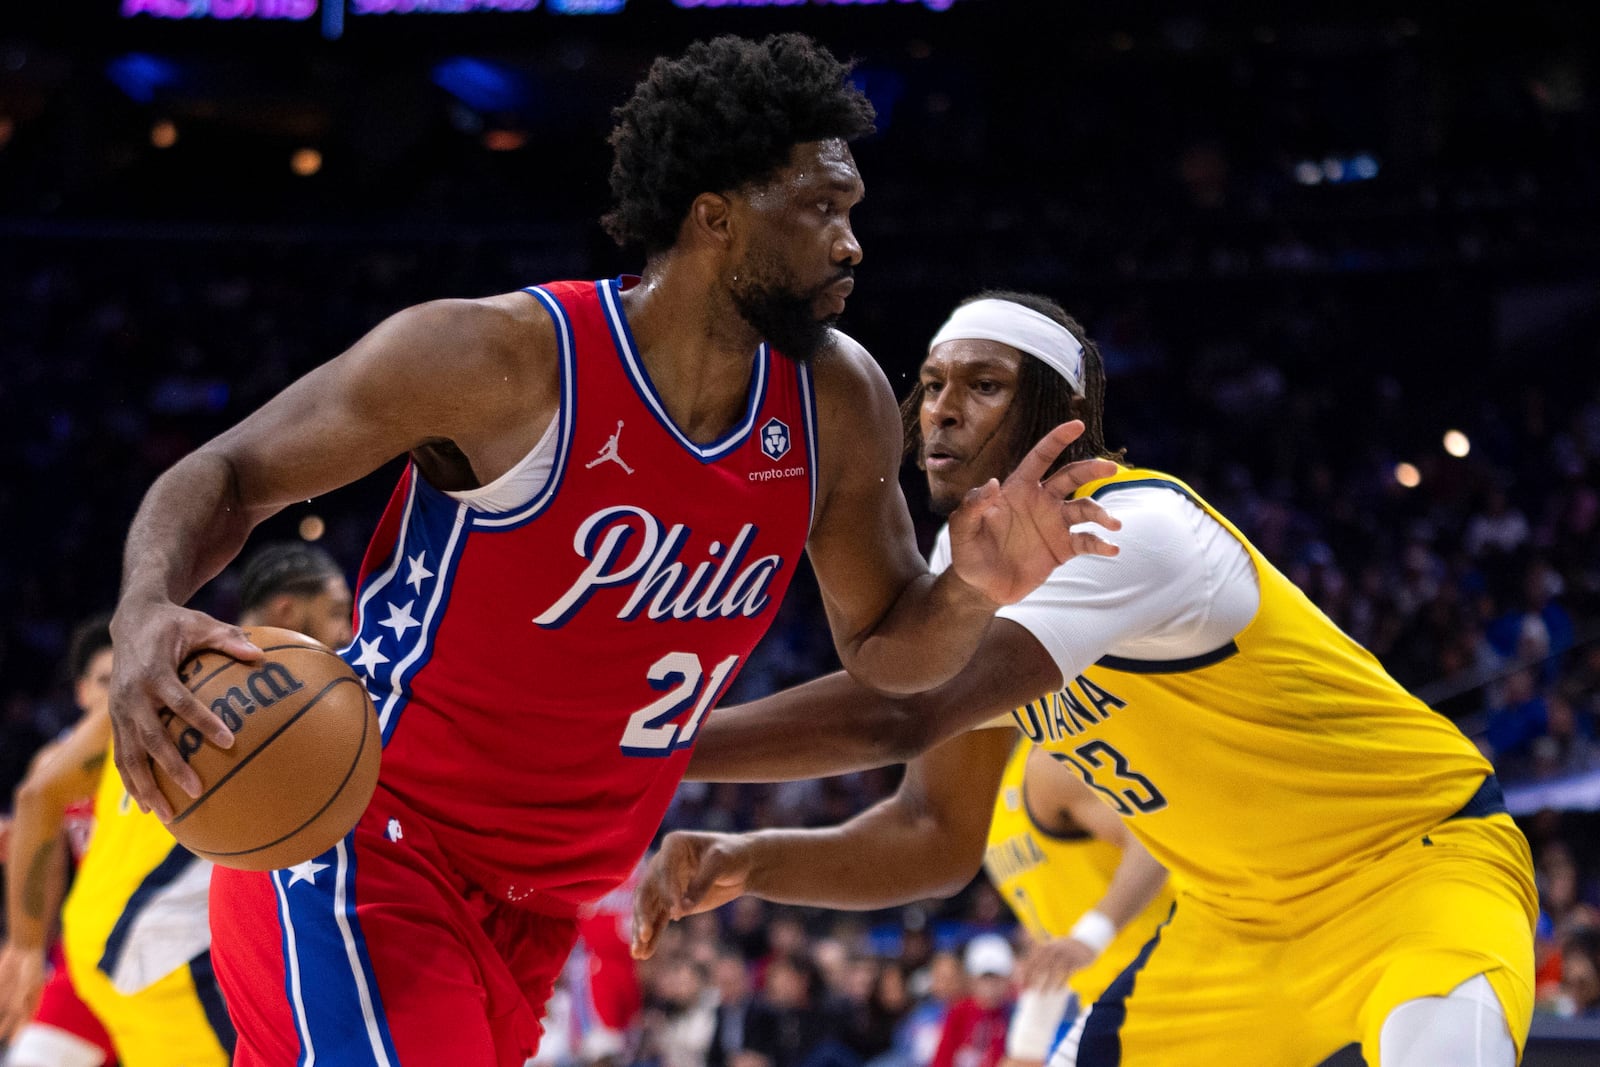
[(1034, 1022), (1467, 1028), (39, 1045)]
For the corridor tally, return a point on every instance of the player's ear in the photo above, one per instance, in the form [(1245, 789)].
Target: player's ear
[(711, 220)]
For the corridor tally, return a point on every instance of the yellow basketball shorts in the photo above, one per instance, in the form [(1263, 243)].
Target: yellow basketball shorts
[(1417, 922), (179, 1021)]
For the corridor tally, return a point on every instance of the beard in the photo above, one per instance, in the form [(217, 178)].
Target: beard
[(944, 501), (783, 316)]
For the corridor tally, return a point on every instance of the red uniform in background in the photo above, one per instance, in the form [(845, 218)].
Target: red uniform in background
[(542, 652), (974, 1034)]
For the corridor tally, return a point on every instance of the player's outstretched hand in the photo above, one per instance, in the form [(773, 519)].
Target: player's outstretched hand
[(1006, 537), (1048, 964), (21, 980), (149, 642), (692, 872)]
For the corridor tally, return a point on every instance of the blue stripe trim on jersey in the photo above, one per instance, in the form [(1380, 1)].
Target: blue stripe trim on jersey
[(1168, 666), (808, 409), (1488, 800), (1101, 1045), (289, 946), (209, 994), (1069, 1015), (622, 337), (333, 990), (1162, 666), (1144, 483), (377, 582), (566, 419), (169, 870), (437, 524)]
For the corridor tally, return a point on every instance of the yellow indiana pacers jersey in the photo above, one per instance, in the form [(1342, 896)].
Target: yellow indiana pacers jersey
[(137, 910), (1050, 881), (1264, 769)]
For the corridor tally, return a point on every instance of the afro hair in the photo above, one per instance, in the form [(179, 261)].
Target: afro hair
[(724, 115)]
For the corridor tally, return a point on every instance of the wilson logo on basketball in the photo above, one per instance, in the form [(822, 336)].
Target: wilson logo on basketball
[(260, 689)]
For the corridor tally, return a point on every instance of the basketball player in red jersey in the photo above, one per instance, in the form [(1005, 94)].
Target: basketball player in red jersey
[(610, 484)]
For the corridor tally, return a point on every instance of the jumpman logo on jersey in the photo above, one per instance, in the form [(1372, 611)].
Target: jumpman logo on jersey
[(609, 452)]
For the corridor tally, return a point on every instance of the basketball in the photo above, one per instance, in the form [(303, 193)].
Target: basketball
[(304, 759)]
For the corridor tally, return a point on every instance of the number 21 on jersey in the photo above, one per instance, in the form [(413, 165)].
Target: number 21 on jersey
[(654, 730)]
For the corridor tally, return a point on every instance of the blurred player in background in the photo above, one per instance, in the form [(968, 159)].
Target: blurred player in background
[(1344, 863), (41, 1014), (134, 926), (1089, 894)]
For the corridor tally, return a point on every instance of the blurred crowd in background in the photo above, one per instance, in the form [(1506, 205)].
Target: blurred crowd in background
[(1345, 273)]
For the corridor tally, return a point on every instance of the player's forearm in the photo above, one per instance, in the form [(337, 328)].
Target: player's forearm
[(926, 637), (1137, 881), (189, 526), (881, 858), (833, 725), (36, 871)]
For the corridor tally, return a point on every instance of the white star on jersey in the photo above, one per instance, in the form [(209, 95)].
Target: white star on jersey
[(306, 872), (419, 572), (370, 656), (400, 620)]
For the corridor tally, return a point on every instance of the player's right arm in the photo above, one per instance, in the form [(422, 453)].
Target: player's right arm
[(474, 379), (835, 725), (926, 840), (36, 871)]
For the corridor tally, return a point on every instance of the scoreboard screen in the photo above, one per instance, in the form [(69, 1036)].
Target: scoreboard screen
[(335, 15)]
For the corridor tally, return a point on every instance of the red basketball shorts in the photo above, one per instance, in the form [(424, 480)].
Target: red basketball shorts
[(377, 953), (60, 1007)]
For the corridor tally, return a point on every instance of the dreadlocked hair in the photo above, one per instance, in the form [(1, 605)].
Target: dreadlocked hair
[(724, 115), (1043, 398)]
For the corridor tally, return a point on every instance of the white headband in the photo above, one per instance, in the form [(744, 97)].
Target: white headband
[(1020, 327)]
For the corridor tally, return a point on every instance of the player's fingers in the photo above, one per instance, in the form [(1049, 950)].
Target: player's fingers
[(716, 863), (1026, 969), (701, 881), (174, 695), (154, 744), (231, 641), (1079, 473), (1046, 452), (982, 494), (1085, 543), (1089, 511), (133, 763), (649, 916)]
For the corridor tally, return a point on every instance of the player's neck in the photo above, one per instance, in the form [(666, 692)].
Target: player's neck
[(696, 349)]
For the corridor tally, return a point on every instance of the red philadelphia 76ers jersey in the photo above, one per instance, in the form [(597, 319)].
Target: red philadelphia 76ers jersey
[(540, 673)]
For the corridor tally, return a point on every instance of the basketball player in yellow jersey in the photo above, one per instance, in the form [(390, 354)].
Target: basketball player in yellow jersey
[(1345, 867), (134, 926), (1088, 893)]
